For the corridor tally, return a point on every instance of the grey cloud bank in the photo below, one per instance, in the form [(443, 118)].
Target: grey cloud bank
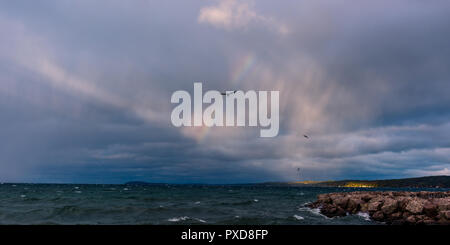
[(242, 109), (85, 89)]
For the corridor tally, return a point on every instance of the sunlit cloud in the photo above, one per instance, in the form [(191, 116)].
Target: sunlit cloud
[(233, 14)]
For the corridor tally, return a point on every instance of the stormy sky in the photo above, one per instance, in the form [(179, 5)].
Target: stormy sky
[(85, 89)]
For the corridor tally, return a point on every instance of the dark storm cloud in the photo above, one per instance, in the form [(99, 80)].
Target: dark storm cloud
[(85, 89)]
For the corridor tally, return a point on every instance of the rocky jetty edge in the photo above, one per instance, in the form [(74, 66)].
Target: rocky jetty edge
[(388, 206)]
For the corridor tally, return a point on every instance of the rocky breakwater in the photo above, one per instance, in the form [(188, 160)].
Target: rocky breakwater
[(391, 207)]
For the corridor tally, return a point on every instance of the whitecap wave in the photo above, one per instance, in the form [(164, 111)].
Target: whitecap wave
[(366, 216), (176, 219), (298, 217), (315, 211)]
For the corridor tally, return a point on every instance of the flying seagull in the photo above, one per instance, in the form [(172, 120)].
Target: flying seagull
[(304, 135), (225, 93)]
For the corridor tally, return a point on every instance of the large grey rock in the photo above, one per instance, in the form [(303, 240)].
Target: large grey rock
[(341, 202), (415, 206), (354, 205), (375, 204), (442, 203), (411, 219), (444, 214), (389, 206), (430, 209), (324, 198), (378, 216)]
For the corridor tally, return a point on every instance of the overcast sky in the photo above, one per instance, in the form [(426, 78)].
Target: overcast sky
[(85, 89)]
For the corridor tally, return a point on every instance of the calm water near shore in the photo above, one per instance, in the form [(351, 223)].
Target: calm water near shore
[(168, 204)]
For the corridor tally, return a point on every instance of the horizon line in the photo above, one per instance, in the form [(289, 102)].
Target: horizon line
[(199, 183)]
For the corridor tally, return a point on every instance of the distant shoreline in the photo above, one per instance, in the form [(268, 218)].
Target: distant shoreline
[(419, 182)]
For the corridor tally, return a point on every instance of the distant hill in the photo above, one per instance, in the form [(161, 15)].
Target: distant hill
[(142, 183), (421, 182)]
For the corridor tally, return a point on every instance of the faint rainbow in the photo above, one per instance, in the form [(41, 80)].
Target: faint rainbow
[(203, 132), (243, 68)]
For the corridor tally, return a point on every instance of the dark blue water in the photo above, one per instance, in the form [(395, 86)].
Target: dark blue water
[(164, 204)]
